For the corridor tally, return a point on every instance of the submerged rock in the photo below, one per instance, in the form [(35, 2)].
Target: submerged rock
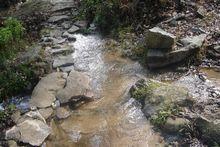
[(43, 94), (77, 87), (33, 132), (156, 38), (62, 113)]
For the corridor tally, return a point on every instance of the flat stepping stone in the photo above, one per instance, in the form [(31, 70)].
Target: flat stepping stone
[(63, 61), (81, 23), (43, 94), (77, 87), (33, 132), (55, 19), (73, 29), (67, 68), (67, 50)]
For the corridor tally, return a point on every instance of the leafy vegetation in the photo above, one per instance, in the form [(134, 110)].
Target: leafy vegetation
[(111, 14), (162, 115), (14, 77)]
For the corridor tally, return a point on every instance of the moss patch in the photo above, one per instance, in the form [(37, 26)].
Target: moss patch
[(163, 114)]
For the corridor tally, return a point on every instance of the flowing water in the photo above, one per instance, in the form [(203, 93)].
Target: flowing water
[(114, 119)]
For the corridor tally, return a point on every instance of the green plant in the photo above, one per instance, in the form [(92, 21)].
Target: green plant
[(15, 27), (161, 117), (14, 80), (5, 37)]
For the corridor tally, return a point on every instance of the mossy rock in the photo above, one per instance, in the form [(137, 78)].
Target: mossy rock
[(160, 100), (208, 130), (175, 124)]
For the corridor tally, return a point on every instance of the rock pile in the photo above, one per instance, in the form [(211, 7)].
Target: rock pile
[(163, 50)]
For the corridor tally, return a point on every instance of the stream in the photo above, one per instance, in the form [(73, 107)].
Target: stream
[(114, 119)]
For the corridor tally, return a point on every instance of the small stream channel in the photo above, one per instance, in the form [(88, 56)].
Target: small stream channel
[(113, 119)]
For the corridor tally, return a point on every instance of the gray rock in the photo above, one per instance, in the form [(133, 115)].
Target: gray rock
[(13, 134), (65, 51), (56, 19), (16, 116), (43, 94), (67, 68), (77, 86), (155, 95), (70, 37), (46, 112), (193, 42), (33, 132), (157, 38), (62, 5), (175, 125), (63, 61), (12, 143), (66, 24), (35, 115), (158, 59), (73, 29), (62, 113), (208, 129), (82, 24), (201, 12)]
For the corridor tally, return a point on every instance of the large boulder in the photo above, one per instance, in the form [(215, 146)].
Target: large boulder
[(155, 95), (161, 104), (77, 86), (156, 38), (44, 93), (33, 132), (208, 129)]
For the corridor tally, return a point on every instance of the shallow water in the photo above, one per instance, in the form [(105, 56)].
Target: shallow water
[(114, 119)]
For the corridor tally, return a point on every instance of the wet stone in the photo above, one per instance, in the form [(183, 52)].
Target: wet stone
[(62, 113), (33, 132), (77, 87), (63, 61), (43, 94), (46, 113), (65, 50)]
